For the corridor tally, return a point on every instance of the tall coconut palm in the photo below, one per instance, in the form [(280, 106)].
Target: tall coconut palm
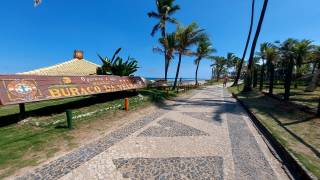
[(168, 44), (288, 56), (315, 78), (236, 80), (248, 81), (302, 50), (204, 50), (186, 37), (165, 10)]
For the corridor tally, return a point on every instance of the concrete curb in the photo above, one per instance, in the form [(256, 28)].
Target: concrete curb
[(291, 163)]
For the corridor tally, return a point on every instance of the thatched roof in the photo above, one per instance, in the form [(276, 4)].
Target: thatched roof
[(74, 67)]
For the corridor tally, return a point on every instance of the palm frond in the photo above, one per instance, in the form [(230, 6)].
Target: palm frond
[(155, 29)]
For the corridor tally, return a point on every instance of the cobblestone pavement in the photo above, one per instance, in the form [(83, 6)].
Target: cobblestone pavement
[(205, 136)]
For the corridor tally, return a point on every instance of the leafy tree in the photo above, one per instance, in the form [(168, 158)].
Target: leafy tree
[(168, 44), (186, 37), (165, 10), (117, 66), (204, 51), (248, 81), (236, 80)]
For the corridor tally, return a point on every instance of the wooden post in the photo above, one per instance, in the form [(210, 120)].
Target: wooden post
[(126, 104), (22, 109), (69, 118)]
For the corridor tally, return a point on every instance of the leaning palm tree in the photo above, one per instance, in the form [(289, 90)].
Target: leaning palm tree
[(204, 50), (248, 81), (186, 37), (236, 80), (168, 44), (165, 10)]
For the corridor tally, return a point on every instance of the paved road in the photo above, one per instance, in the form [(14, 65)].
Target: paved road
[(205, 136)]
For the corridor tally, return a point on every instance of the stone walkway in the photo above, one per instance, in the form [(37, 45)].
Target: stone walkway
[(205, 136)]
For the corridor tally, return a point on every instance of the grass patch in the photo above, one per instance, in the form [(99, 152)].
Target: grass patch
[(42, 134), (299, 95), (296, 130)]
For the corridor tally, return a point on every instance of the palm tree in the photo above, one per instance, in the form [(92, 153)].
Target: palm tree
[(37, 3), (271, 55), (288, 56), (248, 82), (165, 10), (168, 44), (263, 48), (219, 65), (204, 50), (315, 78), (302, 51), (186, 37), (256, 67), (246, 46)]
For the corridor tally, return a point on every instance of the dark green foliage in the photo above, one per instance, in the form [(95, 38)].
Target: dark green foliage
[(117, 66)]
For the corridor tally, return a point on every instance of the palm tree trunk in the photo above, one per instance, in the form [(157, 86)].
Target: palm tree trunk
[(255, 78), (167, 64), (271, 79), (198, 63), (288, 79), (314, 67), (248, 82), (177, 72), (315, 81), (261, 76), (218, 75), (236, 80)]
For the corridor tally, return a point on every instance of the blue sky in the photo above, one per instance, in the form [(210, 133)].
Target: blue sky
[(36, 37)]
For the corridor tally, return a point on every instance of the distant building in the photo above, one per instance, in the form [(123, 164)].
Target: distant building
[(78, 66)]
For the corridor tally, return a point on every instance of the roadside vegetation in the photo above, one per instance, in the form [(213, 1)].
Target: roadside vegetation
[(41, 136)]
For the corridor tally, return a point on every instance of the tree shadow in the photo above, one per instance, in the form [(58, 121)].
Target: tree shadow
[(275, 108)]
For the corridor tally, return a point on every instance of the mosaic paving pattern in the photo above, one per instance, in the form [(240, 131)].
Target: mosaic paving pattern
[(66, 164), (210, 167), (171, 128), (205, 116), (249, 160)]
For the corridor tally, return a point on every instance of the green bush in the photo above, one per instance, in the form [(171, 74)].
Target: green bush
[(117, 66)]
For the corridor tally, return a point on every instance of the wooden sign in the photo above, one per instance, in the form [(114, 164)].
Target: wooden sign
[(16, 89)]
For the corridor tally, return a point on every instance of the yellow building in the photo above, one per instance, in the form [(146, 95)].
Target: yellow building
[(78, 66)]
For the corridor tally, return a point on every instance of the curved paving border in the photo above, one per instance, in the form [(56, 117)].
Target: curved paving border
[(292, 165)]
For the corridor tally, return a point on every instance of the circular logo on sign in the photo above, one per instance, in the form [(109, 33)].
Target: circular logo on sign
[(66, 80), (22, 88)]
